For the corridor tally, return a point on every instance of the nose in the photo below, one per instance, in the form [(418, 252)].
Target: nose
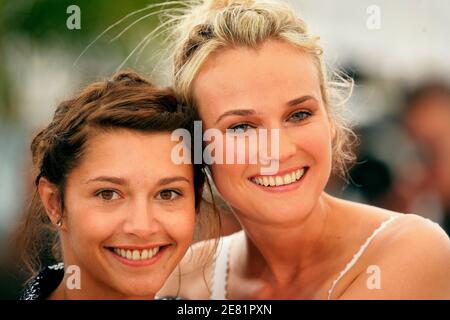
[(287, 145), (141, 220), (281, 145)]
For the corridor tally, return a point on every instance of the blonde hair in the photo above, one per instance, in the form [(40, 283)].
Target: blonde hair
[(206, 26)]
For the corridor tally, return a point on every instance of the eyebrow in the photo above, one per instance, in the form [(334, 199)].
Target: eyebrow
[(115, 180), (169, 180), (236, 112), (247, 112), (300, 100), (121, 181)]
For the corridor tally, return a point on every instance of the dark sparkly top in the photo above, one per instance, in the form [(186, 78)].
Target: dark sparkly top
[(42, 286)]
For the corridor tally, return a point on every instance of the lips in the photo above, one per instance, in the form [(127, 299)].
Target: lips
[(134, 256), (285, 179)]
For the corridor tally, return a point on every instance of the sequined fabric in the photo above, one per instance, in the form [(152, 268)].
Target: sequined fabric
[(42, 286), (44, 283)]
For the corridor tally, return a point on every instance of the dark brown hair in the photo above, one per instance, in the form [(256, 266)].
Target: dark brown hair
[(126, 101)]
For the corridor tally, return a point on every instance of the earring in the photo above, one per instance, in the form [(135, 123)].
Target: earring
[(59, 223)]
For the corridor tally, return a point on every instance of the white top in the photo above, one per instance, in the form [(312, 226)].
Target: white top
[(220, 275), (221, 267)]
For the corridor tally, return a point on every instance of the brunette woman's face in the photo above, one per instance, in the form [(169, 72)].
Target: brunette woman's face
[(129, 212), (276, 86)]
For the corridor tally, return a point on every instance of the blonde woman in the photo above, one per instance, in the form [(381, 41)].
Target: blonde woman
[(251, 65)]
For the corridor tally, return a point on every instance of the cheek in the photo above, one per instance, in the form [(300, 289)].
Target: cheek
[(88, 227), (181, 227), (227, 177), (316, 142), (178, 223)]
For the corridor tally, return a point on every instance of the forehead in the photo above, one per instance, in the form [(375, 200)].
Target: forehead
[(273, 73), (128, 153)]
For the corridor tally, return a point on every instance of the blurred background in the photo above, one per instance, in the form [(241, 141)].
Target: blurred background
[(397, 52)]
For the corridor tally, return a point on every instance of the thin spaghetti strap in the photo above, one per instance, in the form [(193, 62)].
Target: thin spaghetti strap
[(220, 274), (359, 254)]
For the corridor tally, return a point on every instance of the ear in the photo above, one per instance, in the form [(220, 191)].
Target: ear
[(50, 198)]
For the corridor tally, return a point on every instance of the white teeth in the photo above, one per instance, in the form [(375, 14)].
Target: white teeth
[(299, 173), (279, 180), (287, 179), (136, 255), (271, 181)]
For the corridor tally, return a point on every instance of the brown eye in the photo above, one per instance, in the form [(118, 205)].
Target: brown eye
[(108, 195), (168, 195)]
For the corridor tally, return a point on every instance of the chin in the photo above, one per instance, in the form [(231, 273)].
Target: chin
[(287, 216), (139, 289), (265, 212)]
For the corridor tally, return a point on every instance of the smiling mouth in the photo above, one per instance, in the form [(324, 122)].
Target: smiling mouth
[(285, 179), (136, 254)]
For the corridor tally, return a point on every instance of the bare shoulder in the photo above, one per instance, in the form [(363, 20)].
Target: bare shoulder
[(192, 278), (412, 257), (412, 236), (403, 229), (414, 229)]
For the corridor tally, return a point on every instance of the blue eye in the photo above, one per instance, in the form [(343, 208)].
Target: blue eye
[(240, 128), (299, 116)]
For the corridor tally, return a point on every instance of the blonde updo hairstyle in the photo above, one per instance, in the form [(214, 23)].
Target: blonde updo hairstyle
[(206, 26)]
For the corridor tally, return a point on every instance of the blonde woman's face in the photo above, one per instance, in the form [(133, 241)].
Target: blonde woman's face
[(130, 213), (274, 87)]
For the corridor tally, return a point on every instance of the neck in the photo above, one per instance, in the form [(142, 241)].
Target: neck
[(280, 252)]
